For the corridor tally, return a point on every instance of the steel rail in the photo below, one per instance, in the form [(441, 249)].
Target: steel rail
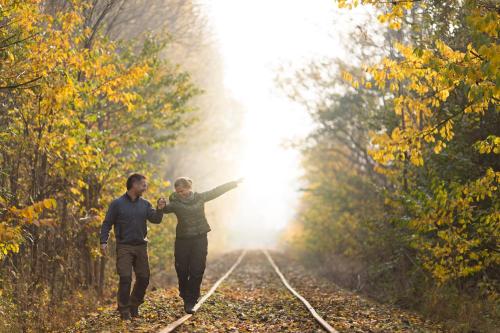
[(309, 307), (172, 326)]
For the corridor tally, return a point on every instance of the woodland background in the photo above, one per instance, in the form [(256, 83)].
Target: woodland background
[(402, 170), (92, 90)]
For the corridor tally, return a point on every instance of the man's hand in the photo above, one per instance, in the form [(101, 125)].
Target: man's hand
[(161, 203), (103, 249)]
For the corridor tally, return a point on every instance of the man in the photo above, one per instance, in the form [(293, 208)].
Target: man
[(128, 215)]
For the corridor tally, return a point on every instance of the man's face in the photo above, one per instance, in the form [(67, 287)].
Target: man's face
[(140, 187), (182, 191)]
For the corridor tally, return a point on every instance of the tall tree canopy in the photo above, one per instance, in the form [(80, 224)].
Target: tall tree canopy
[(79, 111), (403, 168)]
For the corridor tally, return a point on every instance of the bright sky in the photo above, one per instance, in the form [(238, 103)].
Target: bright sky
[(255, 37)]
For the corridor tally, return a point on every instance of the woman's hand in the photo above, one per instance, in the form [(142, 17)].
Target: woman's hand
[(161, 203)]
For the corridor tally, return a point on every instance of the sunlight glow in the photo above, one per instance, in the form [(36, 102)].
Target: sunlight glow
[(255, 38)]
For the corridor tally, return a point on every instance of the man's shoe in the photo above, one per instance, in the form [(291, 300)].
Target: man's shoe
[(125, 315), (134, 311), (188, 307)]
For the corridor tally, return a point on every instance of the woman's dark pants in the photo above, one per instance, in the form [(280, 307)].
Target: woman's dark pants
[(190, 261)]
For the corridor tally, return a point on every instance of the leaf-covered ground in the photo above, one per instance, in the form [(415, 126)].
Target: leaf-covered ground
[(252, 299), (346, 311)]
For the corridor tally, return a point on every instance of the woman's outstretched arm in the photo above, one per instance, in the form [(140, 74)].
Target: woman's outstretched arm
[(219, 190)]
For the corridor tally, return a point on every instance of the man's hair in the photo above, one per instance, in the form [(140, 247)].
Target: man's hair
[(183, 182), (135, 177)]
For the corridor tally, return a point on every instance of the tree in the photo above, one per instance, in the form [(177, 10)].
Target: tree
[(79, 112), (416, 134)]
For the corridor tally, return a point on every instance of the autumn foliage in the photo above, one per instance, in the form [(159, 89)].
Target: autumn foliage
[(403, 171), (79, 111), (426, 82)]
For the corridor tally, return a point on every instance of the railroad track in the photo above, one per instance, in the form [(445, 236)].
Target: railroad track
[(175, 324)]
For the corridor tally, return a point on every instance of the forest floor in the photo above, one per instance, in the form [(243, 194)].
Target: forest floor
[(253, 299)]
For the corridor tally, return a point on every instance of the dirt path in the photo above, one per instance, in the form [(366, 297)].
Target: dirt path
[(347, 311), (161, 307), (253, 299)]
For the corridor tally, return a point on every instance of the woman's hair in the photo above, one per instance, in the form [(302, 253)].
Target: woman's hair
[(183, 182)]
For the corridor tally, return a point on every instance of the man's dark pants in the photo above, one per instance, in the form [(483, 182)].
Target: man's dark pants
[(190, 261), (130, 257)]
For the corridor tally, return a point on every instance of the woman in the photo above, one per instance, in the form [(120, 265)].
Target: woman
[(191, 235)]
